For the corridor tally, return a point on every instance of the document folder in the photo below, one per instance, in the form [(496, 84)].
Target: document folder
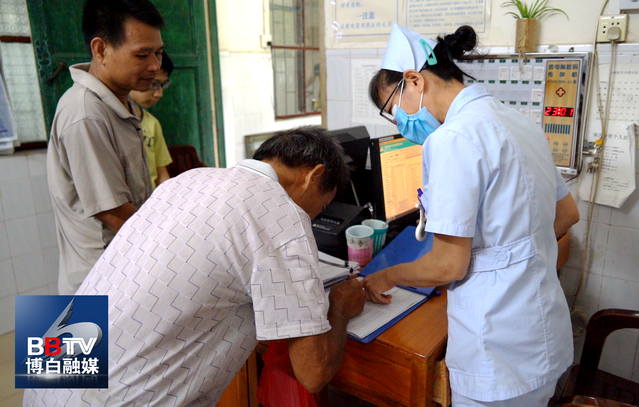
[(403, 249)]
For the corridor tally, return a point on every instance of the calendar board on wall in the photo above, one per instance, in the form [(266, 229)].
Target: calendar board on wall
[(550, 89)]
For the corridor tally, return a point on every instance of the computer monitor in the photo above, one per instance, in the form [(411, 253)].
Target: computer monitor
[(354, 141), (396, 166)]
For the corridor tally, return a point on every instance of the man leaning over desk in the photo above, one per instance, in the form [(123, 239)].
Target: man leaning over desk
[(96, 164), (214, 261)]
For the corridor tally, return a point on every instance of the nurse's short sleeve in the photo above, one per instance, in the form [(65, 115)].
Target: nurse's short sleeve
[(288, 294), (94, 166), (456, 177), (562, 188)]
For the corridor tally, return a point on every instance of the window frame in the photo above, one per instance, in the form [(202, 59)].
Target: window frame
[(303, 49), (31, 145)]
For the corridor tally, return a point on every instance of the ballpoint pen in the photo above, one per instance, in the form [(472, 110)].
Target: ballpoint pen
[(420, 232), (345, 265)]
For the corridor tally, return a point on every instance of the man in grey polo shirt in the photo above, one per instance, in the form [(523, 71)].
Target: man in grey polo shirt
[(96, 163)]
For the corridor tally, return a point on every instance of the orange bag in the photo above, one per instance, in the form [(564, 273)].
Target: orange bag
[(278, 386)]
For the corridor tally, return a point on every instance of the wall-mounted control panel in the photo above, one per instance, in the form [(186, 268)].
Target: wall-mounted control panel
[(550, 89)]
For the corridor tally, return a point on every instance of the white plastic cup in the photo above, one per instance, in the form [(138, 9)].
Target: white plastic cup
[(379, 236), (359, 239)]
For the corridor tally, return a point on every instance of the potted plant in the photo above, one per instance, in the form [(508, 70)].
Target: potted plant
[(527, 21)]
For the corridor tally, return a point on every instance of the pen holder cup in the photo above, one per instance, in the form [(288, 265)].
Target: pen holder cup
[(359, 239), (379, 236)]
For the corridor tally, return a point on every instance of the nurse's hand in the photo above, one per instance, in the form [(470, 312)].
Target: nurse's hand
[(376, 285)]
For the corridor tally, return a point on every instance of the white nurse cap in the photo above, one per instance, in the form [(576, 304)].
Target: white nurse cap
[(407, 49)]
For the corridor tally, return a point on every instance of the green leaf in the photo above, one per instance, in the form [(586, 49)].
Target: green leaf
[(538, 9)]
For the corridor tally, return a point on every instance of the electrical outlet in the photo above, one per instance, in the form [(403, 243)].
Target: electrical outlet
[(612, 28)]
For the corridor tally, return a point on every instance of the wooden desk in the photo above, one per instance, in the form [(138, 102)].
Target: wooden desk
[(398, 367)]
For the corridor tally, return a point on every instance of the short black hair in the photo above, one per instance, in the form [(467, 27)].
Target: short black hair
[(456, 46), (167, 64), (105, 19), (308, 146)]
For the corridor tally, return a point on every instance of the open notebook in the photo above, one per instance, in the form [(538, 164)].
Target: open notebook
[(376, 318)]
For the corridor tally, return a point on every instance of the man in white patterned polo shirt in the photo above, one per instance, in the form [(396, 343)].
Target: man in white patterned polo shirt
[(214, 261)]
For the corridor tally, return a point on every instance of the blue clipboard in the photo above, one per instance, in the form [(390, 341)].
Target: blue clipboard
[(403, 249)]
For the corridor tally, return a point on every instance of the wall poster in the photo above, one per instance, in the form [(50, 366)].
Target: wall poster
[(371, 20)]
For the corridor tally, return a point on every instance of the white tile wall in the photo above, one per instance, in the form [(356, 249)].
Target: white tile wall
[(12, 168), (616, 293), (628, 214), (5, 253), (247, 98), (47, 231), (590, 294), (51, 259), (23, 236), (615, 358), (338, 74), (17, 199), (8, 286), (28, 248), (7, 316), (37, 164), (339, 91), (338, 114), (598, 242), (29, 272), (622, 256), (41, 197)]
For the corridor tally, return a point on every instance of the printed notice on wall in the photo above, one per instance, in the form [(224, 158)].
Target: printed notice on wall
[(364, 18), (362, 71), (372, 20), (444, 16), (617, 177)]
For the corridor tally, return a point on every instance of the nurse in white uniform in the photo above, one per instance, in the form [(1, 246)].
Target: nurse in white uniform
[(496, 204)]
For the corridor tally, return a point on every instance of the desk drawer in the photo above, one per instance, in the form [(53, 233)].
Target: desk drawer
[(375, 373), (441, 384)]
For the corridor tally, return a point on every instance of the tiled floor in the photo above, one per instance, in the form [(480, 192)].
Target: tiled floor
[(9, 395)]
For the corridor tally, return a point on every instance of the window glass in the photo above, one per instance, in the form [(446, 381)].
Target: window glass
[(23, 88), (295, 57)]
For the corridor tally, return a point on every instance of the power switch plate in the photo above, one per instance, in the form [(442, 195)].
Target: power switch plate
[(619, 25)]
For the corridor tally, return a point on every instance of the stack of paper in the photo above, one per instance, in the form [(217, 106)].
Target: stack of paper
[(375, 316), (334, 270)]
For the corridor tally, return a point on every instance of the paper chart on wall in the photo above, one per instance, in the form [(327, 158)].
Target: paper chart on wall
[(432, 17), (372, 20), (617, 177), (362, 71), (363, 19)]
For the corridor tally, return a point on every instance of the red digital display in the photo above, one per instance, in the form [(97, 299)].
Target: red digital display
[(559, 111)]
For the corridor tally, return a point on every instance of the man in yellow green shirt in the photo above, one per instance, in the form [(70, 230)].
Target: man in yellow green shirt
[(157, 152)]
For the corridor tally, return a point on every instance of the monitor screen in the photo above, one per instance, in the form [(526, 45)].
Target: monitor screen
[(396, 166), (354, 141)]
